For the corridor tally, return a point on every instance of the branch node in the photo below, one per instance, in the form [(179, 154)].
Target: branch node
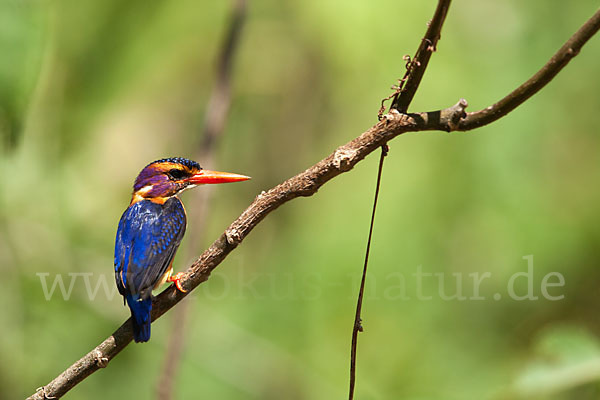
[(392, 115), (342, 158), (430, 45), (455, 114), (42, 389), (101, 361), (359, 326), (233, 236)]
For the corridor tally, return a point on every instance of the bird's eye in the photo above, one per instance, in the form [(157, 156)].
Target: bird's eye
[(176, 174)]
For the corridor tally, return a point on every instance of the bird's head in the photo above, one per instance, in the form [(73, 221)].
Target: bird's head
[(162, 179)]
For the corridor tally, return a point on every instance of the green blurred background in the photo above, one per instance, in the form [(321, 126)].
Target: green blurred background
[(91, 91)]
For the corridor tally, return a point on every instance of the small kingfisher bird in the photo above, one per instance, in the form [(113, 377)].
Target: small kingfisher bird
[(150, 231)]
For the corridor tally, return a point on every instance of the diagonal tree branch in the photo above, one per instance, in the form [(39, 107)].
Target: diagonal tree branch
[(305, 184), (559, 60)]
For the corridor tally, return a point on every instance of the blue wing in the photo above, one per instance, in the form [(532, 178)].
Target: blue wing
[(147, 239)]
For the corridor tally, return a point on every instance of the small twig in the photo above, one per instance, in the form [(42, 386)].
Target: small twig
[(417, 66), (214, 126), (357, 327), (405, 91)]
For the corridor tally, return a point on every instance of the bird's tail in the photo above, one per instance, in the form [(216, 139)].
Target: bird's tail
[(140, 316)]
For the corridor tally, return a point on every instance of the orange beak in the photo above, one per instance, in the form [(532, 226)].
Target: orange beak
[(205, 176)]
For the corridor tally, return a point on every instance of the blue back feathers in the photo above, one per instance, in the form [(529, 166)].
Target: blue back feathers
[(147, 239)]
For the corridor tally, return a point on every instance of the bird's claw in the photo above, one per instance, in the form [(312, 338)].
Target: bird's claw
[(177, 280)]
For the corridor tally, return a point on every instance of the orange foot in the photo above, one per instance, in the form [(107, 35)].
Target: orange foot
[(177, 280)]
